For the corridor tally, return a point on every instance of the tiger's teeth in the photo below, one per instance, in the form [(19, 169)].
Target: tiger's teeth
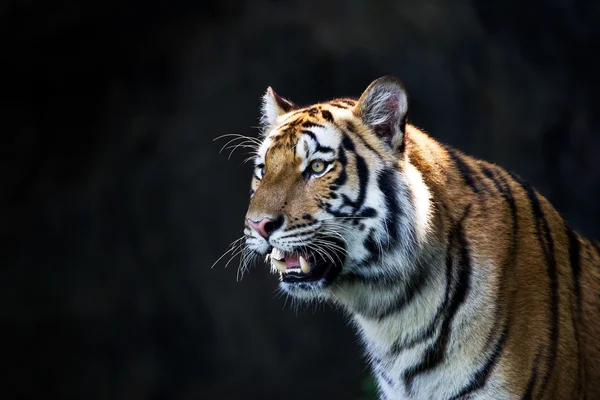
[(305, 266), (280, 265), (276, 253), (273, 268)]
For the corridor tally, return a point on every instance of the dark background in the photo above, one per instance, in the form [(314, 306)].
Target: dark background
[(116, 202)]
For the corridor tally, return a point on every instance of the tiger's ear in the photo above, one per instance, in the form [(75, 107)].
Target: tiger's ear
[(273, 106), (383, 106)]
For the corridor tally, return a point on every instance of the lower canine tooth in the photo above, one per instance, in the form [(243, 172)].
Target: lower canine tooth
[(305, 266), (280, 265)]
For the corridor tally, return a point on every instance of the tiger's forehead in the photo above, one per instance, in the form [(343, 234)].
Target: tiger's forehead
[(308, 130)]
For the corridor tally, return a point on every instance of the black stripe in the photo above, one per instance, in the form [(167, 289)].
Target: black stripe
[(367, 212), (547, 244), (499, 182), (312, 110), (464, 169), (319, 147), (310, 124), (341, 179), (506, 192), (363, 181), (348, 144), (294, 230), (580, 368), (387, 185), (380, 370), (349, 127), (338, 106), (481, 376), (386, 378), (413, 287), (528, 395), (327, 115), (370, 243), (503, 187), (434, 355), (575, 261), (324, 149), (425, 334), (311, 135)]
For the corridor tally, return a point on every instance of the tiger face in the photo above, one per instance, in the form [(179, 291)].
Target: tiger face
[(332, 197)]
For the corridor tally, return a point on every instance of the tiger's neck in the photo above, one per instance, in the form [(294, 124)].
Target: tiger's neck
[(408, 272), (403, 320)]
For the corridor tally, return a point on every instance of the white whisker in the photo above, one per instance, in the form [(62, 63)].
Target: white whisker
[(231, 247)]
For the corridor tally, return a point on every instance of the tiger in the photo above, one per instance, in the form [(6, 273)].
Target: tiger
[(461, 280)]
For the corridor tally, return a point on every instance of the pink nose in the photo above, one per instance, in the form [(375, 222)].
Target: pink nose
[(266, 226)]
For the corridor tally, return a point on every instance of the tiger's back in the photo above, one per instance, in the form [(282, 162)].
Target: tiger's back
[(545, 279), (462, 280)]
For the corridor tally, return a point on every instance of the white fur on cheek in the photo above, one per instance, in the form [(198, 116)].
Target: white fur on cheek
[(262, 150)]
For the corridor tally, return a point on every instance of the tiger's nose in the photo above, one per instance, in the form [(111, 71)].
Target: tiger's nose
[(266, 226)]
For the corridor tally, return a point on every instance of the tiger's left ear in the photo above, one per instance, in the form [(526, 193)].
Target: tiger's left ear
[(383, 106), (273, 106)]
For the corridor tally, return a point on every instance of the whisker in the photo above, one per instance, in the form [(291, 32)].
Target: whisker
[(244, 141), (236, 147), (329, 256), (234, 256), (329, 246), (339, 287), (252, 157), (239, 136), (246, 260), (231, 247), (319, 246), (344, 217), (327, 232)]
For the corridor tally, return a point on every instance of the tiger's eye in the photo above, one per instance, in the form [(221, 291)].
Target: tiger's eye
[(317, 166)]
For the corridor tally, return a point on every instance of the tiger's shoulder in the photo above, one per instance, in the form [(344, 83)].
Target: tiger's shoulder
[(536, 260)]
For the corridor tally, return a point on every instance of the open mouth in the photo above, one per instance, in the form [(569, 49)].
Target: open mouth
[(306, 266)]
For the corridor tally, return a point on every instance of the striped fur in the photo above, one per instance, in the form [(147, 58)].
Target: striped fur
[(461, 279)]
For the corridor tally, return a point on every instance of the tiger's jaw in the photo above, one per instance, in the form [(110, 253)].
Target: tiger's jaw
[(302, 273)]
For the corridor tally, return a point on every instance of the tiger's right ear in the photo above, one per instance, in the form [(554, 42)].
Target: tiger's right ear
[(273, 106)]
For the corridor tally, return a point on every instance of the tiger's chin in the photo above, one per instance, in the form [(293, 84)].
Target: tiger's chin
[(304, 273)]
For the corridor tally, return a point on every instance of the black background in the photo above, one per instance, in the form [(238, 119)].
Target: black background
[(116, 202)]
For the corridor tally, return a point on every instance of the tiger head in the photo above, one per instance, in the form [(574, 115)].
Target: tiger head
[(333, 199)]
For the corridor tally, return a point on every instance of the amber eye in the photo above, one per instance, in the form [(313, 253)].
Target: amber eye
[(317, 166)]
